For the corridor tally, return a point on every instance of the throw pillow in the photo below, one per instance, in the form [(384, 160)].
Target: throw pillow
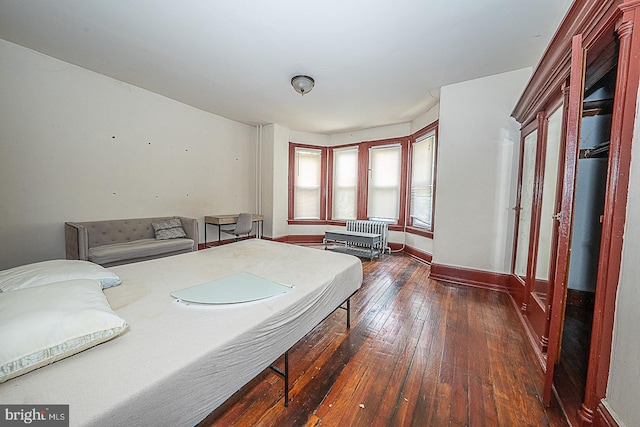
[(169, 229)]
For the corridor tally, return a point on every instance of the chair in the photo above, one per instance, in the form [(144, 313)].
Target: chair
[(244, 225)]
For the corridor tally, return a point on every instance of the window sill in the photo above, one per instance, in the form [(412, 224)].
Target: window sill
[(392, 227), (307, 222), (420, 232)]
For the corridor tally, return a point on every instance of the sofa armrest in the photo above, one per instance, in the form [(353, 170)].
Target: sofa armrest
[(76, 241), (190, 226)]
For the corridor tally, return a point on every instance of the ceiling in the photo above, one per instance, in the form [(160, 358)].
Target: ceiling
[(375, 62)]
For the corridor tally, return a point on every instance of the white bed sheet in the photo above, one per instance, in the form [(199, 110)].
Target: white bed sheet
[(177, 363)]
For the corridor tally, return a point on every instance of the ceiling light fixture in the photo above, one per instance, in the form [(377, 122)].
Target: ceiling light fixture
[(302, 84)]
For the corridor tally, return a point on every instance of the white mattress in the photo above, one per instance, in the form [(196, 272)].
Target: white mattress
[(177, 363)]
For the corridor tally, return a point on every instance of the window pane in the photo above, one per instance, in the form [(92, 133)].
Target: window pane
[(345, 183), (526, 202), (422, 181), (307, 184), (384, 182)]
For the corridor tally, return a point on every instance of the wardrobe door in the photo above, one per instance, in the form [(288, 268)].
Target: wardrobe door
[(548, 206), (525, 205), (565, 217)]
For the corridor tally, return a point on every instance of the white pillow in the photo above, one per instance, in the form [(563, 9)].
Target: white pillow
[(43, 324), (41, 273)]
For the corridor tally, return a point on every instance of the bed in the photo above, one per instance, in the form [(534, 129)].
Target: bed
[(177, 362)]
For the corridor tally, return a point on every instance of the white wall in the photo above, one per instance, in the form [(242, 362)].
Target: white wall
[(624, 376), (372, 134), (306, 138), (475, 184), (266, 168), (79, 146), (281, 182), (425, 119), (274, 159)]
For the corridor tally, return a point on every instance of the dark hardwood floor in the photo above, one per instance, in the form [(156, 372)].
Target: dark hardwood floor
[(419, 352)]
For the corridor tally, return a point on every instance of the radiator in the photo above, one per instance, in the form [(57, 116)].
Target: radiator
[(375, 227)]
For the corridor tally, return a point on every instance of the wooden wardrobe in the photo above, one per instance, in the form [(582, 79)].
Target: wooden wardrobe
[(577, 115)]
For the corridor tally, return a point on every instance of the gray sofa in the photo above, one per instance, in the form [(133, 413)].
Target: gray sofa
[(123, 241)]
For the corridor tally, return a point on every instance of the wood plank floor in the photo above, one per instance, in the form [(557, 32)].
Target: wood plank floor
[(419, 353)]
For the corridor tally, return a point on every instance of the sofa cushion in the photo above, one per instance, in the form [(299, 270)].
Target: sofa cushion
[(137, 249), (168, 229)]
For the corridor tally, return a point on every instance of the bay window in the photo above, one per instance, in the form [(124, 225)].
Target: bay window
[(391, 180)]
